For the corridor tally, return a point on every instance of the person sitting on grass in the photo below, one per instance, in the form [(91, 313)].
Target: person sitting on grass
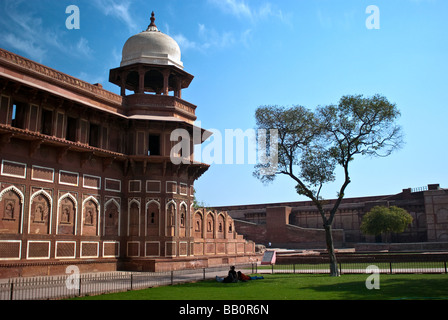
[(231, 277), (244, 278)]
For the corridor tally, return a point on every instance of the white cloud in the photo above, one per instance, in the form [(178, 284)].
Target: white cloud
[(213, 38), (208, 38), (26, 33), (235, 7), (24, 45), (83, 47), (184, 43), (241, 9), (117, 9)]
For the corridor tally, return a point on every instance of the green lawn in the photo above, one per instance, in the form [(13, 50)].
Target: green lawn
[(299, 287)]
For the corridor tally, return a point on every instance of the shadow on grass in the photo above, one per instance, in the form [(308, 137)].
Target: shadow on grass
[(391, 287)]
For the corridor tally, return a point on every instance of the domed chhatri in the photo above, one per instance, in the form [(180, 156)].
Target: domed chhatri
[(151, 63), (151, 47)]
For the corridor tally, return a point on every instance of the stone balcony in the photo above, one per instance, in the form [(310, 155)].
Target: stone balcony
[(140, 104)]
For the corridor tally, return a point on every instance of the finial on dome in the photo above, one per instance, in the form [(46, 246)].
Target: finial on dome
[(152, 20), (152, 26)]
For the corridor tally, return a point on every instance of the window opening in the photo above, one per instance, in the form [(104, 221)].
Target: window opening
[(154, 145), (46, 122), (94, 135), (71, 129), (18, 115)]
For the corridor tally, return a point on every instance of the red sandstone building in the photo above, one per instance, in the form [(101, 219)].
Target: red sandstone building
[(86, 175)]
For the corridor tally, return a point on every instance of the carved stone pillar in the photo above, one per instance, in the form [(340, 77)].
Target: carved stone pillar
[(178, 92), (166, 77), (124, 75), (141, 80)]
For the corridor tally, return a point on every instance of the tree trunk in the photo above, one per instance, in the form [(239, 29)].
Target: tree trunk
[(334, 270)]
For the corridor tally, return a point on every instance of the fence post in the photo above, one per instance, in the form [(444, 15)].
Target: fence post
[(445, 266), (203, 272), (272, 268), (172, 277), (390, 267), (11, 292), (132, 281), (79, 289)]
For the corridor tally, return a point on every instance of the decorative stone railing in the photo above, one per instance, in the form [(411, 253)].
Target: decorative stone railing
[(159, 101), (57, 76)]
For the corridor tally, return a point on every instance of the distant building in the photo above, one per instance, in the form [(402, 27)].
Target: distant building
[(299, 225), (86, 175)]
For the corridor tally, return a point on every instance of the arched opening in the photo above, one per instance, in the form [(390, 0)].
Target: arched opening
[(153, 82), (132, 81)]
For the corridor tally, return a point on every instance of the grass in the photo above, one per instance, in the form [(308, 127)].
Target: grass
[(299, 287)]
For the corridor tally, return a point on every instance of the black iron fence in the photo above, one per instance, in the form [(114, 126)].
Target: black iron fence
[(69, 286), (356, 268), (363, 263)]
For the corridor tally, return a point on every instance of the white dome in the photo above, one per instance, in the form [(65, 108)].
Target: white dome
[(151, 47)]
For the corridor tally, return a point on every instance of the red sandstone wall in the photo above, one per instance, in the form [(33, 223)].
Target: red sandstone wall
[(251, 231), (287, 236)]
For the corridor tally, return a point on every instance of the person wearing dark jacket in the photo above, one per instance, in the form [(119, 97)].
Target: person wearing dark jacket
[(231, 277)]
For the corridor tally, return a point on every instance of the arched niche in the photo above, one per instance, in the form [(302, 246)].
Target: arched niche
[(40, 213), (67, 211), (134, 218), (170, 218), (111, 218), (152, 218), (210, 226), (221, 226), (198, 225), (90, 221), (11, 210), (183, 218)]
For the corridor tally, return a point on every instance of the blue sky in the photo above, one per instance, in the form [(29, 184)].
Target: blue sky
[(247, 53)]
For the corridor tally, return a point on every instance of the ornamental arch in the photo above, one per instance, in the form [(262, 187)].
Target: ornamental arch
[(153, 218), (39, 220), (11, 210), (67, 215), (111, 219)]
